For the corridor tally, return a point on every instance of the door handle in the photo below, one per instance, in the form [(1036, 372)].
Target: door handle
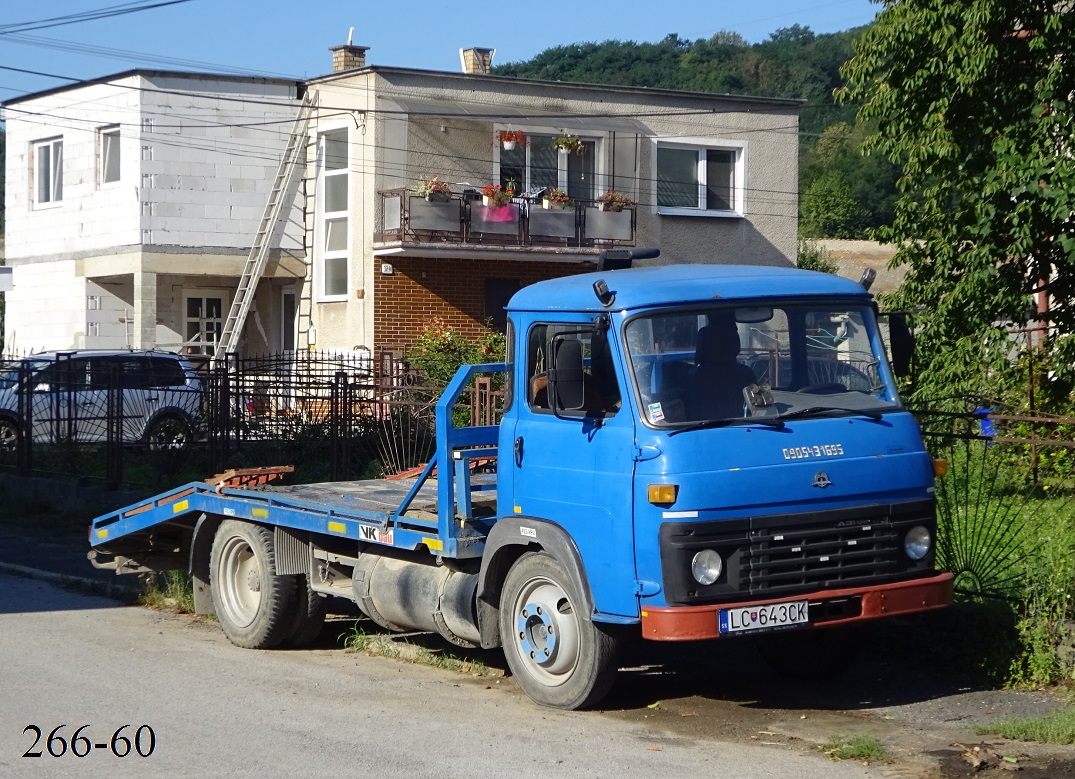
[(519, 452)]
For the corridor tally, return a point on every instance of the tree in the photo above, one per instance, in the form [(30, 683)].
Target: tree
[(972, 98), (829, 209)]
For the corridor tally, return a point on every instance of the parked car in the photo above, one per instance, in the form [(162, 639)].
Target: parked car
[(68, 397)]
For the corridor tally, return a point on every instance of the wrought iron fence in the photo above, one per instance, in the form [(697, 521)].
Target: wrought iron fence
[(334, 416)]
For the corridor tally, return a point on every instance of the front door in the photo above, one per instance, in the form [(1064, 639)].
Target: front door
[(575, 468)]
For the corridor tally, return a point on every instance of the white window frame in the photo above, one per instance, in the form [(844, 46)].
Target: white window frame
[(702, 146), (598, 185), (55, 183), (321, 251), (103, 134), (204, 346)]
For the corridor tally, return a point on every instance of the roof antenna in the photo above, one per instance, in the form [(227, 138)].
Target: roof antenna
[(350, 35)]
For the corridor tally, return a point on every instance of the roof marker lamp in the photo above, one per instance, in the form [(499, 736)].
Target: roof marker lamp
[(600, 288)]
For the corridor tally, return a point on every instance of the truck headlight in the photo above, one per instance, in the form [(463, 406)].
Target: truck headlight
[(917, 542), (706, 566)]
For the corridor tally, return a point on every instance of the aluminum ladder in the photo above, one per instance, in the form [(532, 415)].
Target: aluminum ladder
[(294, 155)]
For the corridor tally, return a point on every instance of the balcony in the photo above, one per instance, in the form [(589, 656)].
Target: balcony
[(409, 224)]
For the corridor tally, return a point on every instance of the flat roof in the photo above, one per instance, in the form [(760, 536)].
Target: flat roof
[(151, 72), (670, 284), (560, 85)]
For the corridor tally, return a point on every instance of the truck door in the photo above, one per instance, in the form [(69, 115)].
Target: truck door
[(575, 468)]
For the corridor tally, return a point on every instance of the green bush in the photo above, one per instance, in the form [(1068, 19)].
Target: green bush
[(813, 257), (441, 349)]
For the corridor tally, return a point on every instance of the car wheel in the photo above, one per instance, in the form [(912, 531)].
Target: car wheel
[(168, 433), (9, 435)]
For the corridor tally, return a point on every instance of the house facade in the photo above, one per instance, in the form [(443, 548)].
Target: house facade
[(131, 202), (148, 249), (713, 179)]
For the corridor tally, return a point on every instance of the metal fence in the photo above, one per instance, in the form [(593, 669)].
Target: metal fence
[(334, 416)]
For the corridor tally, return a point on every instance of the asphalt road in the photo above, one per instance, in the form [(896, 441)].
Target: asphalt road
[(72, 659)]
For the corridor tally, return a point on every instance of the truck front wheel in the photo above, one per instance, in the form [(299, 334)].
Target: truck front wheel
[(254, 606), (558, 656)]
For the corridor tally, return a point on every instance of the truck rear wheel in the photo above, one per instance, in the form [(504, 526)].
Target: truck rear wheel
[(307, 616), (558, 655), (254, 606)]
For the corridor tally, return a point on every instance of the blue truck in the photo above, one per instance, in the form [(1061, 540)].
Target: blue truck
[(687, 452)]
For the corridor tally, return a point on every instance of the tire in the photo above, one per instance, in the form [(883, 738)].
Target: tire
[(168, 433), (307, 616), (558, 656), (810, 655), (253, 605), (9, 435)]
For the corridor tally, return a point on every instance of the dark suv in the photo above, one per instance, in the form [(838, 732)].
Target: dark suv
[(68, 397)]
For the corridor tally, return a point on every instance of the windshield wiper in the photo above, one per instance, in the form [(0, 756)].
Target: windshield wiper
[(802, 412), (708, 424)]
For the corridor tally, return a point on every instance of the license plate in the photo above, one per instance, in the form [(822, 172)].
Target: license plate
[(768, 617)]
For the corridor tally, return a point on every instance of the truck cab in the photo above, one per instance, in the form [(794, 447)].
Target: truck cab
[(706, 452)]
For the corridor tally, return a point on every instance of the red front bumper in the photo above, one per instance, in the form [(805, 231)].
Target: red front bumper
[(689, 623)]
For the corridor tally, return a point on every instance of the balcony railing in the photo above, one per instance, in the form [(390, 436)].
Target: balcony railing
[(404, 217)]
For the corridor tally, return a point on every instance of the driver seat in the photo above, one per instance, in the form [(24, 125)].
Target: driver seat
[(716, 384)]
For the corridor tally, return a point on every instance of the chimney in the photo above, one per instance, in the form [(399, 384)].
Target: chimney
[(476, 60), (348, 57)]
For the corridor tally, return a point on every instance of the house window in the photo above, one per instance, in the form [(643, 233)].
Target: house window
[(334, 235), (48, 172), (700, 180), (541, 165), (497, 294), (108, 155), (204, 322)]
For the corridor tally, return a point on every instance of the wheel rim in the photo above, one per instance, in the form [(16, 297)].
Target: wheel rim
[(8, 436), (168, 434), (240, 582), (546, 632)]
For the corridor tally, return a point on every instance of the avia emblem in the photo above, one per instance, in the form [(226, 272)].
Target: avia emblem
[(821, 479)]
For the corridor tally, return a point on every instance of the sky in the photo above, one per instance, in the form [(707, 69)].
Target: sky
[(291, 39)]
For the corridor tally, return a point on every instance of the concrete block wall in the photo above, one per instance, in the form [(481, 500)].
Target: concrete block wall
[(188, 176), (216, 149), (46, 308)]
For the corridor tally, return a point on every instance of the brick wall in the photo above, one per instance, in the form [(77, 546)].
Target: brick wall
[(453, 290)]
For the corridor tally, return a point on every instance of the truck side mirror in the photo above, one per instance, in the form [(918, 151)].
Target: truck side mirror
[(566, 377), (901, 343)]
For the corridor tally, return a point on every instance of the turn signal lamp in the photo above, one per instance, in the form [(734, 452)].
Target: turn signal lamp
[(940, 467), (662, 493)]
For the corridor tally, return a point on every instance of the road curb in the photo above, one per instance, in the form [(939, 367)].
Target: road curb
[(95, 585)]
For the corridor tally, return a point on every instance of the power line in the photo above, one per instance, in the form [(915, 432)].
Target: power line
[(87, 16)]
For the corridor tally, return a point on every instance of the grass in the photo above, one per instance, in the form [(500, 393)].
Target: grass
[(863, 748), (374, 643), (171, 590), (1055, 728)]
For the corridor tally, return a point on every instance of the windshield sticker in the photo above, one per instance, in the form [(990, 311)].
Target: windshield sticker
[(656, 413), (806, 452)]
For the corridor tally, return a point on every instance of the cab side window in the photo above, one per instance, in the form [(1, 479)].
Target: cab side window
[(600, 385)]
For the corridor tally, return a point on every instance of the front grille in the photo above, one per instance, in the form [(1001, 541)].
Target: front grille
[(819, 557), (789, 554)]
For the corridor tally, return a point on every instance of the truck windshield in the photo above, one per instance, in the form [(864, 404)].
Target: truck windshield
[(722, 363)]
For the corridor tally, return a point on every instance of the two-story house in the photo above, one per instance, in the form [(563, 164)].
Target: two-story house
[(131, 202), (359, 258)]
